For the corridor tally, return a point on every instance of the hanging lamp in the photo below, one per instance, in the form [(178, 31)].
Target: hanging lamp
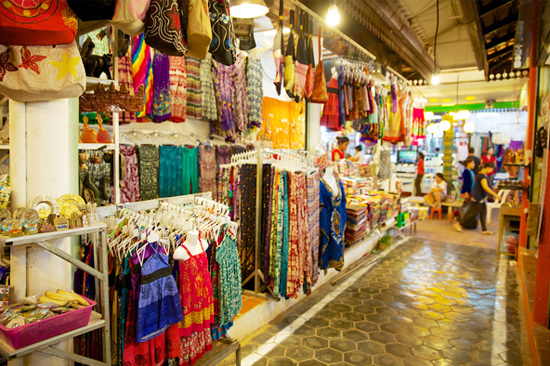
[(248, 8), (333, 15)]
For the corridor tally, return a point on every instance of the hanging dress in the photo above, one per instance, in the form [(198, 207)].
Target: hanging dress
[(159, 304), (331, 114), (190, 170), (162, 108), (208, 170), (240, 97), (332, 221), (198, 306), (148, 160), (178, 88), (129, 190), (208, 94), (194, 102)]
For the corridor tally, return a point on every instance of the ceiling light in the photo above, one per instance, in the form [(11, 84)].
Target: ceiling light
[(435, 80), (469, 127), (432, 128), (248, 8), (428, 116), (471, 98), (333, 15), (434, 100), (445, 125)]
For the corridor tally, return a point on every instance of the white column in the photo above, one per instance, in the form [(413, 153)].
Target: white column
[(52, 169)]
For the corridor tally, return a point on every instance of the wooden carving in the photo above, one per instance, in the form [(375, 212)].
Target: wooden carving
[(111, 100)]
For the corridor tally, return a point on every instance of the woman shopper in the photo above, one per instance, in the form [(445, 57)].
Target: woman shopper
[(478, 203), (489, 158), (419, 175), (438, 191), (340, 152), (468, 178)]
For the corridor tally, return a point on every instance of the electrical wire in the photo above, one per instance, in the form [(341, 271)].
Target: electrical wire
[(435, 40)]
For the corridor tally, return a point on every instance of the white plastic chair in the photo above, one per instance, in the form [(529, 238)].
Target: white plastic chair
[(502, 197)]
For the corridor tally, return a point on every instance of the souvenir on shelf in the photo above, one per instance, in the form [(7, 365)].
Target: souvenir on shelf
[(111, 100), (89, 135), (102, 134), (30, 226), (69, 204), (45, 205)]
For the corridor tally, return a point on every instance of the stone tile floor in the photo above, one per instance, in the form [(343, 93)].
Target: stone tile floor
[(426, 303)]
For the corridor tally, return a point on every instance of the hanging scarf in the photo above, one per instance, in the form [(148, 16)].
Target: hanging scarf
[(142, 67)]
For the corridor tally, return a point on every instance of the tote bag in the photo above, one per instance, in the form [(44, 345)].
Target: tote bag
[(36, 23), (199, 29), (130, 15), (93, 9), (41, 73)]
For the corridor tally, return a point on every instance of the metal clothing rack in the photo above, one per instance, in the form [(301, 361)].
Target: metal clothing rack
[(110, 210), (226, 346), (98, 320)]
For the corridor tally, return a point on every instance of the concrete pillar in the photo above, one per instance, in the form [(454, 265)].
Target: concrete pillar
[(44, 143)]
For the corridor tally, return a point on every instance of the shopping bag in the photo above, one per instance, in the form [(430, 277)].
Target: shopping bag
[(37, 22), (468, 215), (199, 29), (163, 27), (130, 15), (41, 73), (319, 94)]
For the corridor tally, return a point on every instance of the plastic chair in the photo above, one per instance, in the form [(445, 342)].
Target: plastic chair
[(502, 197), (433, 211)]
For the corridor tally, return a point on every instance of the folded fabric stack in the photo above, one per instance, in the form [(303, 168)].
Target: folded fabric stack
[(357, 224)]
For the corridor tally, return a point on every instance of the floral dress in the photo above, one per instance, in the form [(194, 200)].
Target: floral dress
[(197, 300)]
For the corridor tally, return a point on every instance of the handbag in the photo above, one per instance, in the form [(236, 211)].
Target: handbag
[(37, 23), (93, 9), (130, 15), (199, 29), (222, 47), (163, 28), (41, 73), (319, 94)]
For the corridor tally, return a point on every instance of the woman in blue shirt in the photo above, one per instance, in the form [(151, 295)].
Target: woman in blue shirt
[(467, 178)]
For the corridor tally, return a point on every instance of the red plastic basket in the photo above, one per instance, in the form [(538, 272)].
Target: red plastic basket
[(32, 333)]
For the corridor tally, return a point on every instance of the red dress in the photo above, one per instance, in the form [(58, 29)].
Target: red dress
[(197, 299), (331, 114)]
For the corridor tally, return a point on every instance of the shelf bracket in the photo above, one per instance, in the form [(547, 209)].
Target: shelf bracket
[(75, 262)]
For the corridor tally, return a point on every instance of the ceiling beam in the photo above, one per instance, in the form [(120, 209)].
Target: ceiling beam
[(491, 7), (500, 53), (498, 41), (474, 26), (511, 19)]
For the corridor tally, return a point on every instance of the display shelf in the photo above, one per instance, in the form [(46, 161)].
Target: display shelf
[(4, 146), (6, 350), (99, 271), (54, 235), (515, 164), (96, 146)]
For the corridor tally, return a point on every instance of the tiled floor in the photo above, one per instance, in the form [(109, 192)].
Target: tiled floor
[(426, 303)]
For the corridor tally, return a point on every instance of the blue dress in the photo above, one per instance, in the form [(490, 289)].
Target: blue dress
[(332, 222)]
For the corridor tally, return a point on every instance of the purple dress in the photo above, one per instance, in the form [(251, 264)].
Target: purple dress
[(223, 83), (162, 106)]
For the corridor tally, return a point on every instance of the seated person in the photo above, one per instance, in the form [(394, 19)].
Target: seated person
[(438, 192)]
